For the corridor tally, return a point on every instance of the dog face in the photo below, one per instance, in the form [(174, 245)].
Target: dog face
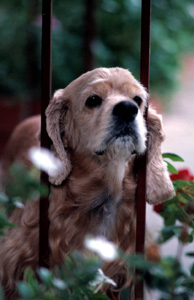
[(101, 114), (104, 110), (111, 103)]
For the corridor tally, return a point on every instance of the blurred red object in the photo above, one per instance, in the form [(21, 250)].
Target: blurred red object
[(158, 208), (183, 174)]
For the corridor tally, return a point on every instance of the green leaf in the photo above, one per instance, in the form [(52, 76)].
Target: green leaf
[(171, 168), (190, 254), (45, 275), (168, 232), (138, 261), (4, 223), (3, 198), (178, 184), (170, 219), (190, 238), (1, 293), (29, 276), (172, 156), (25, 290), (186, 197), (192, 270)]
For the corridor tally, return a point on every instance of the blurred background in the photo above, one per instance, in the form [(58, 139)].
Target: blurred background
[(88, 34)]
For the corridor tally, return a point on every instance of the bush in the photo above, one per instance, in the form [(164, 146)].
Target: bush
[(117, 42), (81, 276)]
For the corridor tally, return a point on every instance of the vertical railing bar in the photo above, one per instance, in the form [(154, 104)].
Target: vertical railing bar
[(141, 162), (45, 97), (90, 33)]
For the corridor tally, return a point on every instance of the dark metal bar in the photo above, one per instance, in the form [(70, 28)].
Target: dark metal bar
[(90, 33), (145, 43), (45, 97), (141, 162)]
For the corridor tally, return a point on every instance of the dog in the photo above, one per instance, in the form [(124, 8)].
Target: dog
[(97, 130)]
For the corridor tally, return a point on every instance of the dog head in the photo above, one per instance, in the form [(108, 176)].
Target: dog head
[(101, 114)]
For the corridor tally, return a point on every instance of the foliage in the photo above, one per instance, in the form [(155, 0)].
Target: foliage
[(70, 282), (173, 157), (18, 194), (169, 275), (16, 31), (79, 277), (178, 212), (117, 42)]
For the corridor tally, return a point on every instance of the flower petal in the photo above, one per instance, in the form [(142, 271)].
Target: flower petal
[(45, 160), (102, 278), (105, 249)]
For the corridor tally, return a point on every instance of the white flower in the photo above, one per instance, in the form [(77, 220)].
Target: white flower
[(101, 278), (60, 284), (19, 204), (44, 160), (105, 249)]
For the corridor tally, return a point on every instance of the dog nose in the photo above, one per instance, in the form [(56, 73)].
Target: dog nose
[(125, 110)]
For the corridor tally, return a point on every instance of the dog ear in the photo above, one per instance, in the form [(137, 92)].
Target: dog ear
[(159, 185), (57, 107)]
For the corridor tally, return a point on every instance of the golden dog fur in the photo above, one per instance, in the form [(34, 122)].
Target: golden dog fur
[(94, 194)]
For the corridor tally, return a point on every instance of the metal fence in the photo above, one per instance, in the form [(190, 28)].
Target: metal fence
[(45, 97)]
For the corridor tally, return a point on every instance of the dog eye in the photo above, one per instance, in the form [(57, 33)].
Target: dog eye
[(138, 100), (93, 101)]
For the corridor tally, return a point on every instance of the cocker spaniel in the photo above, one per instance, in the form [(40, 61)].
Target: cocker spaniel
[(97, 129)]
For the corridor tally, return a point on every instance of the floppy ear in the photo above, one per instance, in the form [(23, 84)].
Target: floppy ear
[(159, 185), (54, 113)]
